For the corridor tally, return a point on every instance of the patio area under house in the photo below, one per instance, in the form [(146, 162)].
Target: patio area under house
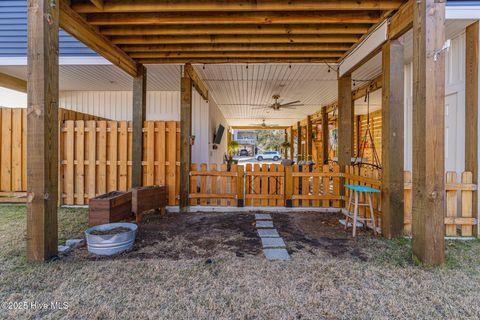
[(382, 94)]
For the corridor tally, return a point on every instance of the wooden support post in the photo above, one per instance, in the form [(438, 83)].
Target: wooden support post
[(138, 116), (428, 228), (240, 186), (309, 143), (392, 139), (185, 136), (471, 108), (288, 186), (299, 141), (345, 121), (42, 130), (292, 142), (325, 136)]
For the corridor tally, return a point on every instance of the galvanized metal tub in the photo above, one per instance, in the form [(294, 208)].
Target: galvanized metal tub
[(106, 245)]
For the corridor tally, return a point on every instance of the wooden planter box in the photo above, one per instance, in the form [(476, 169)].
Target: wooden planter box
[(148, 198), (110, 207)]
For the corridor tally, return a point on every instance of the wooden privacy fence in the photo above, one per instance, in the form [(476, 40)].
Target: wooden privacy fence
[(265, 185), (459, 197), (13, 150), (96, 157), (216, 186)]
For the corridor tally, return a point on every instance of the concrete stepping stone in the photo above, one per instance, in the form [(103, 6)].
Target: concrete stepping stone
[(268, 233), (264, 224), (276, 254), (263, 216), (273, 243)]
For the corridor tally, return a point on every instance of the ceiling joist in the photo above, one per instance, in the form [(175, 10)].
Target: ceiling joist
[(235, 18), (229, 59), (74, 24), (235, 39), (119, 6), (236, 47), (257, 29)]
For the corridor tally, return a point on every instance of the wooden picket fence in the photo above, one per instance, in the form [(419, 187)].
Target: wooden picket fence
[(264, 185), (214, 186), (96, 157), (13, 150), (459, 193), (459, 219), (315, 186)]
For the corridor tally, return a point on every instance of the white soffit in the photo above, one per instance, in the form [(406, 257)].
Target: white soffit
[(369, 44), (462, 12)]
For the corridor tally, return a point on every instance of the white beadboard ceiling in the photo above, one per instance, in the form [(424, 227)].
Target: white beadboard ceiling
[(234, 87)]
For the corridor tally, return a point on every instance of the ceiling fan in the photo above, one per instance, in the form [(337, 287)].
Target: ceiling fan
[(277, 105), (263, 124)]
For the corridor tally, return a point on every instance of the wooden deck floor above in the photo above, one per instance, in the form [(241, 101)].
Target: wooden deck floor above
[(219, 31)]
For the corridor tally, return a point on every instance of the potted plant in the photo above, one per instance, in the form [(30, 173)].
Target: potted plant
[(232, 148), (285, 146)]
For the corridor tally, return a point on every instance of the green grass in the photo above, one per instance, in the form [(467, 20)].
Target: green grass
[(313, 285)]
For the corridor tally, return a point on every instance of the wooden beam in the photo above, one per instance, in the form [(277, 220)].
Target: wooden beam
[(139, 113), (471, 107), (201, 60), (345, 121), (325, 135), (10, 82), (238, 39), (197, 81), (287, 47), (98, 5), (258, 127), (75, 25), (185, 134), (258, 29), (428, 228), (361, 92), (392, 139), (309, 142), (236, 54), (402, 21), (237, 6), (292, 142), (269, 18), (299, 141), (42, 130)]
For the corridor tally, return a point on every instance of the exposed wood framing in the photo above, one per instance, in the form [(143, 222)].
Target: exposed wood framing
[(197, 81), (471, 106), (242, 5), (257, 29), (139, 113), (185, 136), (42, 130), (309, 142), (236, 39), (402, 21), (74, 24), (259, 127), (203, 60), (428, 172), (292, 142), (9, 82), (299, 141), (98, 4), (392, 139), (345, 124), (255, 17), (324, 135)]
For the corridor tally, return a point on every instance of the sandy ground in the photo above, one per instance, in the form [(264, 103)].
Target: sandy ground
[(210, 266)]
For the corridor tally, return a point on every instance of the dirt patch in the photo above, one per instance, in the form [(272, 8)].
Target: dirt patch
[(191, 235), (313, 231)]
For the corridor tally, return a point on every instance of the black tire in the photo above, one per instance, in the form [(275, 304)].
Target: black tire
[(260, 158), (275, 158)]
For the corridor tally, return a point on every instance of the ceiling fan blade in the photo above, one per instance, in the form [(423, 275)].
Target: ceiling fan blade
[(260, 108), (290, 103), (289, 107)]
